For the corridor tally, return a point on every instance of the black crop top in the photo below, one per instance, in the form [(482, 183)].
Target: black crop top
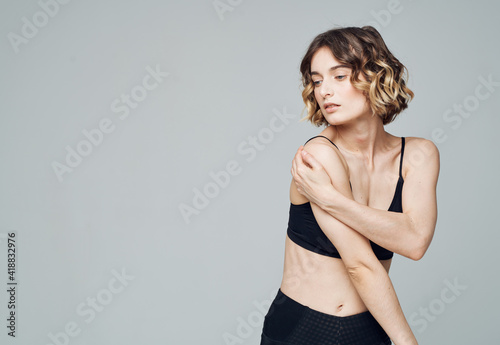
[(305, 231)]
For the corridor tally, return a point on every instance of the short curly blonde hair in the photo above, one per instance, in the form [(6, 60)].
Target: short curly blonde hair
[(364, 51)]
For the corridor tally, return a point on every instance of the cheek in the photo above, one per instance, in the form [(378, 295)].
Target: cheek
[(318, 98), (316, 95), (357, 97)]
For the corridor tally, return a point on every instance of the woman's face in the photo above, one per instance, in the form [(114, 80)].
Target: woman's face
[(339, 100)]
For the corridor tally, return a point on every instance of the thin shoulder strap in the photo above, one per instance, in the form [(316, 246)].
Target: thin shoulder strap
[(323, 137), (402, 153), (333, 145)]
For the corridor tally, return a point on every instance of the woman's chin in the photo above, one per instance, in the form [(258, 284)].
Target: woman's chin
[(334, 120)]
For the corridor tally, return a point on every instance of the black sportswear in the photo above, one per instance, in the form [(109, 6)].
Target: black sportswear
[(305, 231)]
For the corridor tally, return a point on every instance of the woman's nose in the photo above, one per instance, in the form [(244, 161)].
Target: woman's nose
[(326, 90)]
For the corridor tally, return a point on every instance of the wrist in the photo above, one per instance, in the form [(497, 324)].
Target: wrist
[(328, 198), (407, 339)]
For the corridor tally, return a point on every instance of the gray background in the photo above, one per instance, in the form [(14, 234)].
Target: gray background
[(197, 282)]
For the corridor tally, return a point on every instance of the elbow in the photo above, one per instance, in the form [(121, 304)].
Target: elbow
[(420, 241), (419, 249), (416, 254), (357, 271)]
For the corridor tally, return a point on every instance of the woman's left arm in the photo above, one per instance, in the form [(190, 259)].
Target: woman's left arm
[(408, 233)]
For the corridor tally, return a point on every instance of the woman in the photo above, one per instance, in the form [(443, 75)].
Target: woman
[(347, 199)]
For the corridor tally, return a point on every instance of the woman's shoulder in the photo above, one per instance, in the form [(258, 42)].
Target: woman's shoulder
[(326, 152), (322, 140), (419, 152), (420, 145), (325, 137)]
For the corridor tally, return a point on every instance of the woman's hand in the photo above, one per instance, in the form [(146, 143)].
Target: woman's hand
[(310, 177)]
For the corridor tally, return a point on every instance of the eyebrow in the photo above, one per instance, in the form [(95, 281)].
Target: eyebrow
[(331, 69)]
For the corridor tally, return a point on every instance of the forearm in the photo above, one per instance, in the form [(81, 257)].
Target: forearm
[(377, 292), (391, 230)]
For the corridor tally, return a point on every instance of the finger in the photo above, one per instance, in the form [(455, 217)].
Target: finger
[(296, 161), (298, 153), (296, 175), (298, 156), (293, 168), (309, 159)]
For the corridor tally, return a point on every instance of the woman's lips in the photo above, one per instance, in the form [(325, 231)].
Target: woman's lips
[(331, 107)]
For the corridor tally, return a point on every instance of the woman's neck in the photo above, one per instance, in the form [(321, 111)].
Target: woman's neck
[(363, 139)]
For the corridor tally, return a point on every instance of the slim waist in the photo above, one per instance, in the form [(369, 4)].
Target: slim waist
[(282, 298)]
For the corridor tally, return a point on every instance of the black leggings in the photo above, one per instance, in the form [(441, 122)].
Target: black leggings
[(290, 323)]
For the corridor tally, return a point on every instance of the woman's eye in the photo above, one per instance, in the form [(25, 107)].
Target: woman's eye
[(316, 83), (340, 77)]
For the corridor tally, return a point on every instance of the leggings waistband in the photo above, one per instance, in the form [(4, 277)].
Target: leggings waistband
[(280, 296), (289, 322)]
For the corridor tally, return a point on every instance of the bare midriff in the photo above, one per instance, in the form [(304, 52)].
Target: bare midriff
[(320, 282)]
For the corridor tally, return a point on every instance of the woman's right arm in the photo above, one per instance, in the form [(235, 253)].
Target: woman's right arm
[(366, 272)]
